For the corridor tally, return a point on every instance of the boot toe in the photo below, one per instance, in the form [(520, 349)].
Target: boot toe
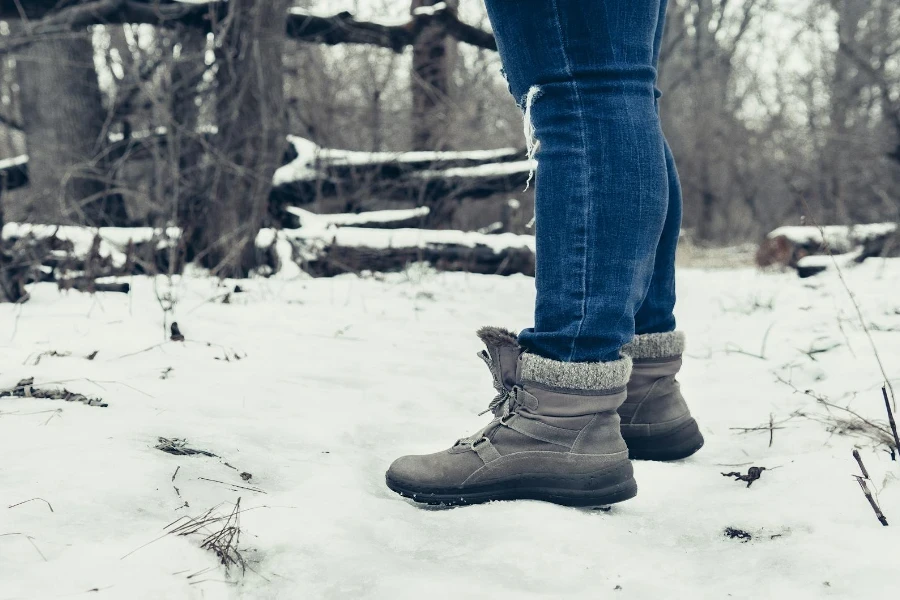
[(440, 470)]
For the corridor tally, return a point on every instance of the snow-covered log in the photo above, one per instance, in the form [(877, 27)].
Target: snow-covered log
[(418, 177), (378, 219), (81, 257), (329, 252), (76, 257), (787, 246)]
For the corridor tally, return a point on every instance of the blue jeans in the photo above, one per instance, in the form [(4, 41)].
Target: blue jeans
[(608, 200)]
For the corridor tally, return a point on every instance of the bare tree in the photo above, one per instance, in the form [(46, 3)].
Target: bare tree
[(249, 144), (432, 64), (65, 127)]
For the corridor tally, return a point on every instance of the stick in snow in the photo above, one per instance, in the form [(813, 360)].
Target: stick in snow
[(887, 405), (861, 480), (33, 499)]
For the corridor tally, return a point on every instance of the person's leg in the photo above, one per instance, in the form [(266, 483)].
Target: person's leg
[(585, 71), (655, 314), (655, 420), (601, 182)]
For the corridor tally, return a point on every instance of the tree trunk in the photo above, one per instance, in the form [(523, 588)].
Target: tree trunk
[(844, 98), (184, 184), (431, 69), (63, 119), (250, 142)]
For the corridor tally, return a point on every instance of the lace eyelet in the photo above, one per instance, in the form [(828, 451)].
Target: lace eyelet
[(479, 440)]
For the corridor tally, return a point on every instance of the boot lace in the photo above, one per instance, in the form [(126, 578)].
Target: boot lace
[(503, 404)]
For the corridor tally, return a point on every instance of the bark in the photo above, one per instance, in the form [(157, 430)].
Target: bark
[(337, 260), (63, 121), (340, 28), (251, 138), (184, 144), (430, 81)]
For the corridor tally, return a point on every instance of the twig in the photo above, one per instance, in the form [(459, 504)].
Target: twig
[(887, 405), (233, 485), (154, 346), (828, 404), (859, 461), (30, 541), (762, 350), (771, 429), (176, 472), (861, 480), (32, 499), (753, 473), (846, 286), (872, 503)]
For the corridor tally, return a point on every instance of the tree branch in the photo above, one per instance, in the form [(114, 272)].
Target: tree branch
[(341, 28)]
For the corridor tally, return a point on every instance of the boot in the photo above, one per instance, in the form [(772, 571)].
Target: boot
[(656, 422), (555, 437)]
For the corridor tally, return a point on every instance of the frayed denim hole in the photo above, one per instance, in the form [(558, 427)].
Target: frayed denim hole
[(531, 142)]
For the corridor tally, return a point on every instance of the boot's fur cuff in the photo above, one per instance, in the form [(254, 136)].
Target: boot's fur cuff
[(655, 345), (498, 337), (599, 376)]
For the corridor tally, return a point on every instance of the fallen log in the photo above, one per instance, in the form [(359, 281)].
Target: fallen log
[(419, 178), (787, 246), (330, 252), (82, 258), (76, 257)]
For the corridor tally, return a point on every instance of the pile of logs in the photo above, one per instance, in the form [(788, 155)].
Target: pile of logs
[(79, 258), (797, 247), (323, 246), (311, 174)]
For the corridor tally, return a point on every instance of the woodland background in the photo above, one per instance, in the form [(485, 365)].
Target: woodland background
[(163, 113)]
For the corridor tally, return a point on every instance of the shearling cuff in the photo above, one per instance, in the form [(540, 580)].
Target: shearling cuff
[(598, 376), (498, 336), (655, 345)]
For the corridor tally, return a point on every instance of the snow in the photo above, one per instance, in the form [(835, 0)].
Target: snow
[(837, 236), (301, 168), (315, 385), (409, 238), (492, 170), (385, 21), (354, 157), (828, 261), (309, 155), (430, 10), (316, 220), (15, 161)]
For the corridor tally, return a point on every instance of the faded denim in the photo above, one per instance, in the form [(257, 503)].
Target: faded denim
[(608, 204)]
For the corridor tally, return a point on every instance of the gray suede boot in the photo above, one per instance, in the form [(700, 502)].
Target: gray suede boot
[(656, 422), (555, 437)]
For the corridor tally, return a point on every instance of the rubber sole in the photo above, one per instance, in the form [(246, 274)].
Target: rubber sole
[(674, 445), (599, 489)]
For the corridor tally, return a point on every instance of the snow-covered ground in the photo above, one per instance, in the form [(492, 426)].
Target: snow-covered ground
[(312, 387)]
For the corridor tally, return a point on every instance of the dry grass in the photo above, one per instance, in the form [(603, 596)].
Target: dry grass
[(697, 257), (222, 534)]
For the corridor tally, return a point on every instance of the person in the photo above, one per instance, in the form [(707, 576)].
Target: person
[(592, 384)]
